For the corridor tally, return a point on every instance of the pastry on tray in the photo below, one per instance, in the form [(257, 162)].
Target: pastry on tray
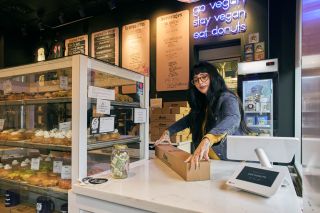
[(64, 184), (38, 137), (16, 136)]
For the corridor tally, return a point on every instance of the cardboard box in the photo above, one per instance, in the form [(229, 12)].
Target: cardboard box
[(162, 124), (129, 89), (166, 117), (176, 104), (155, 111), (174, 158), (176, 110), (174, 138)]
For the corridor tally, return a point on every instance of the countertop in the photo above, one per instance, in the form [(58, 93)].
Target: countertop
[(152, 186)]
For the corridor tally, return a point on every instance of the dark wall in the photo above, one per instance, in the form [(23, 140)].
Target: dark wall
[(280, 40), (282, 46)]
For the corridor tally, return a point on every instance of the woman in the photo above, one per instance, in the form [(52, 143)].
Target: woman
[(215, 112)]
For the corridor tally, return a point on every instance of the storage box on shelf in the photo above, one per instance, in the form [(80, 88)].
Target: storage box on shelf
[(41, 102)]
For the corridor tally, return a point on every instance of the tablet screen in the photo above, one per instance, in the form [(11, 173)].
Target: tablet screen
[(258, 176)]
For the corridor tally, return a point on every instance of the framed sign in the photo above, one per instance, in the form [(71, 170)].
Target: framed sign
[(172, 64), (136, 47), (77, 45), (105, 45)]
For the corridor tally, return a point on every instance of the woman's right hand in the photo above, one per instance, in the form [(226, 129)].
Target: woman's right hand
[(164, 137)]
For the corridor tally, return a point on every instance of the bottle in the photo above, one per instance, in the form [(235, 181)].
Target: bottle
[(120, 161)]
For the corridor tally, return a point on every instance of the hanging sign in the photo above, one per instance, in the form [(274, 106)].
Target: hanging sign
[(105, 45), (103, 106), (77, 45), (136, 47), (172, 65)]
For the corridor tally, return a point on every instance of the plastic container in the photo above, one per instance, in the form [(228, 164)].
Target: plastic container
[(120, 161)]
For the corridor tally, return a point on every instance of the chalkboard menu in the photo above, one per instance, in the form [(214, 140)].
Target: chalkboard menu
[(105, 45), (136, 47), (77, 45), (172, 51)]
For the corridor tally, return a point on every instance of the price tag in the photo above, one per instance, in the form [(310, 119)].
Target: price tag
[(106, 124), (140, 115), (64, 82), (2, 123), (7, 87), (156, 102), (66, 172), (66, 126), (35, 163), (57, 166), (97, 92), (103, 106), (41, 80)]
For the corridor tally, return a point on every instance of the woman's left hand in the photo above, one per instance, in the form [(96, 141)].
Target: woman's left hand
[(201, 152)]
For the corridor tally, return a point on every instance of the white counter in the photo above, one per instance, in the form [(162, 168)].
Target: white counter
[(152, 186)]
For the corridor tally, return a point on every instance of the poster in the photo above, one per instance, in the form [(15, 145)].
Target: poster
[(136, 47), (105, 45), (77, 45), (172, 64)]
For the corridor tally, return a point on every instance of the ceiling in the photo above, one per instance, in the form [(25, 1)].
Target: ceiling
[(35, 15)]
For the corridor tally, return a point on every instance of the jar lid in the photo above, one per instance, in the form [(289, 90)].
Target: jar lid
[(120, 146)]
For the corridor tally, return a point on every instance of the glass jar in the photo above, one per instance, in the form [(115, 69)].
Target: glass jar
[(120, 161)]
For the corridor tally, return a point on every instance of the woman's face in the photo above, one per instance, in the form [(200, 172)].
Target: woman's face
[(201, 81)]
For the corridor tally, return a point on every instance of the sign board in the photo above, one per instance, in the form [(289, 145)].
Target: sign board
[(172, 65), (136, 47), (76, 45), (103, 106), (65, 126), (97, 92), (140, 115), (105, 45)]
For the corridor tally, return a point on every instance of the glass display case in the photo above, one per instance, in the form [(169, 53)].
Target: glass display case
[(48, 138)]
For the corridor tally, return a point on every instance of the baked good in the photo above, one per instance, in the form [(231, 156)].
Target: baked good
[(47, 95), (59, 138), (15, 136), (15, 165), (7, 169), (38, 137), (29, 134), (47, 137), (104, 137), (115, 135), (65, 184), (38, 96), (4, 134), (68, 138)]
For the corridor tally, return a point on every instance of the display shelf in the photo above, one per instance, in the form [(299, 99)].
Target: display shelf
[(35, 101), (255, 112), (124, 139), (53, 191), (29, 144), (260, 126)]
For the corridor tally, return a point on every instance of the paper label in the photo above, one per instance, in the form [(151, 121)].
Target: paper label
[(41, 80), (156, 102), (2, 123), (140, 115), (35, 163), (103, 106), (66, 172), (106, 124), (57, 166), (64, 82), (97, 92), (7, 87), (66, 126)]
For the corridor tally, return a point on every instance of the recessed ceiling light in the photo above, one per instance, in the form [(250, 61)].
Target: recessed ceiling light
[(188, 1)]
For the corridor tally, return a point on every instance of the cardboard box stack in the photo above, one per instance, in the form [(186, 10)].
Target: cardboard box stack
[(162, 118)]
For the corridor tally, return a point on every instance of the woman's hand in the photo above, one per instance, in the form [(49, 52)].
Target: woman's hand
[(164, 137), (201, 152)]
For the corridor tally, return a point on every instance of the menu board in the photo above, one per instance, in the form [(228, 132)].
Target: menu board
[(172, 64), (105, 45), (77, 45), (136, 47)]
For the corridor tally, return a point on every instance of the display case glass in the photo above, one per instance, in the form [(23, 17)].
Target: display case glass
[(46, 137)]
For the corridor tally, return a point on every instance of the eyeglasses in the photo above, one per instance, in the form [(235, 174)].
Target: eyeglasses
[(203, 78)]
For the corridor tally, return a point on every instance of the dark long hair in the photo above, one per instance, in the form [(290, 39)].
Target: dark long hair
[(199, 102)]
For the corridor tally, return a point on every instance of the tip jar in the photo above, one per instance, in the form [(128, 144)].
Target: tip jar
[(120, 161)]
